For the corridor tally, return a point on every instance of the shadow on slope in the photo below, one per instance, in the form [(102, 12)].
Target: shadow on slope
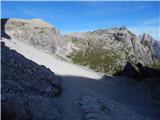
[(27, 88), (140, 74), (3, 32), (124, 91)]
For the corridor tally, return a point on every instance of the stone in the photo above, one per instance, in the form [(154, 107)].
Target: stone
[(94, 108), (13, 108), (42, 108), (27, 88)]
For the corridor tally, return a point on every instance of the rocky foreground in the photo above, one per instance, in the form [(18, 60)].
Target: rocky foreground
[(26, 87), (36, 85)]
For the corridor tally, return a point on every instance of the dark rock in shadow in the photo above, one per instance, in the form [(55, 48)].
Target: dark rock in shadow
[(27, 89), (129, 71), (147, 72), (142, 73), (13, 108), (3, 32), (148, 78), (121, 89)]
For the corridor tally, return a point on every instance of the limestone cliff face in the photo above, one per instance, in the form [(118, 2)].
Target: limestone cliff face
[(35, 32), (150, 44)]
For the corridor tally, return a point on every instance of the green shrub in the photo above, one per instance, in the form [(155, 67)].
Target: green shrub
[(145, 43), (156, 66), (42, 31), (98, 59)]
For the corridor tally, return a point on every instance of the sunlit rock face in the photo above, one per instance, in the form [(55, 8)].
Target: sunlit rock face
[(119, 42), (150, 44), (35, 32), (156, 48)]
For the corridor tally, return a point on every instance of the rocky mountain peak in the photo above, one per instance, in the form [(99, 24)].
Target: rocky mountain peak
[(122, 28), (35, 32), (119, 42), (150, 44), (34, 22), (145, 38)]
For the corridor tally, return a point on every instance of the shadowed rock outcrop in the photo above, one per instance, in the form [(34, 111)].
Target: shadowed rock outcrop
[(27, 89), (129, 71), (3, 31), (147, 72), (140, 73)]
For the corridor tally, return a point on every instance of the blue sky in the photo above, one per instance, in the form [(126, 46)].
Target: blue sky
[(139, 17)]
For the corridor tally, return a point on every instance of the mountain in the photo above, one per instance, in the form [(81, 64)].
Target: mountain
[(149, 43), (39, 82), (35, 32), (25, 85), (108, 50), (104, 50)]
